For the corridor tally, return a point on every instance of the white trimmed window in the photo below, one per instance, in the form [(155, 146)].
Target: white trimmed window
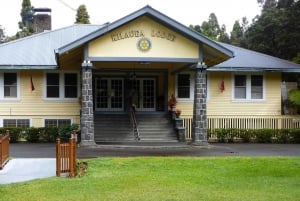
[(185, 86), (62, 85), (20, 123), (248, 87), (9, 86), (57, 122)]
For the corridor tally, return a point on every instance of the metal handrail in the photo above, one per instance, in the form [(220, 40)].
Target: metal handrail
[(135, 129)]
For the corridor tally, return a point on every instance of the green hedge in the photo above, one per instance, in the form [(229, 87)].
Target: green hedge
[(256, 135), (14, 133), (44, 134)]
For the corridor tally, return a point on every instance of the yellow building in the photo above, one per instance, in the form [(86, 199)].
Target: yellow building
[(92, 74)]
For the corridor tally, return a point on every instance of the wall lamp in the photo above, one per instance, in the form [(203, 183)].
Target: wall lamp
[(87, 64)]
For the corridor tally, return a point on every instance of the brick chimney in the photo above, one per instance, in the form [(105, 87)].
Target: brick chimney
[(42, 19)]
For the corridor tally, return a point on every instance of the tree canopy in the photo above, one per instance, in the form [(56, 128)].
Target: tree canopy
[(277, 30), (82, 16), (26, 24), (2, 34)]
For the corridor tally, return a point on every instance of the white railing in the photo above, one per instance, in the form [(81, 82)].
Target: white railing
[(244, 122)]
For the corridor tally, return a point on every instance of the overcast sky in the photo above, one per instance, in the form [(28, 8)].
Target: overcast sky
[(101, 11)]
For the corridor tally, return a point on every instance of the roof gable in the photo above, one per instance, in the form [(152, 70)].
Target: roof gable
[(212, 52)]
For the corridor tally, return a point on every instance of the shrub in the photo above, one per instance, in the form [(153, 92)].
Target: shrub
[(48, 134), (264, 135), (81, 168), (32, 134), (283, 135), (246, 135), (295, 135), (209, 132), (231, 134), (221, 134), (14, 133), (64, 132)]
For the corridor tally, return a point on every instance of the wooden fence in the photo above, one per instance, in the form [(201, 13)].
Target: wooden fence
[(244, 122), (4, 149), (66, 158)]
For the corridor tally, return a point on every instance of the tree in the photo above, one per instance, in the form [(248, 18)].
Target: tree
[(277, 30), (236, 35), (2, 34), (211, 28), (196, 28), (267, 4), (82, 16), (223, 36), (26, 24)]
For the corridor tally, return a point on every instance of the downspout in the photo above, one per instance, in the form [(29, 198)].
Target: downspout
[(57, 58)]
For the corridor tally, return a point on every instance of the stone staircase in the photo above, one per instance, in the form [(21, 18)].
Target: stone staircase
[(117, 129)]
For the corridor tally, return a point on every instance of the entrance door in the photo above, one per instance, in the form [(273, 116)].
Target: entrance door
[(109, 94), (145, 88)]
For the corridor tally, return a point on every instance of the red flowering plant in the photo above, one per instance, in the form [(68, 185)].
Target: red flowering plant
[(172, 102), (177, 112)]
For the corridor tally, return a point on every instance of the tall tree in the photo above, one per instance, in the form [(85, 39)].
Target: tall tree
[(277, 31), (236, 35), (267, 4), (2, 34), (82, 16), (196, 28), (26, 24), (223, 36), (211, 28)]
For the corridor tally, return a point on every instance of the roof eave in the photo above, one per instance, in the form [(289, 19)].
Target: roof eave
[(28, 67), (234, 69)]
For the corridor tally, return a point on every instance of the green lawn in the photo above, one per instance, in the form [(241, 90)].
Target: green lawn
[(170, 178)]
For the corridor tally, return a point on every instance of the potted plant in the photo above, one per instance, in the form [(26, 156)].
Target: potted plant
[(177, 113)]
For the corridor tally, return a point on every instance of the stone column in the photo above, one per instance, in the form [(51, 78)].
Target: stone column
[(87, 111), (199, 130)]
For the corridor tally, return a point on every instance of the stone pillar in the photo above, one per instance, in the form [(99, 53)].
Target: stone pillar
[(87, 111), (199, 130)]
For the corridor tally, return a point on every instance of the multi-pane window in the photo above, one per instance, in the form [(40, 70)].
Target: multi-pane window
[(52, 85), (71, 85), (183, 86), (248, 87), (61, 85), (256, 87), (57, 122), (20, 123), (240, 86), (8, 85)]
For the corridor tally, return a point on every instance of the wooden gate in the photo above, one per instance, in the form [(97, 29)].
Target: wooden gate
[(4, 149), (66, 157)]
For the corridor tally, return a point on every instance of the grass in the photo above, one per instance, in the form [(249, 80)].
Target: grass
[(170, 178)]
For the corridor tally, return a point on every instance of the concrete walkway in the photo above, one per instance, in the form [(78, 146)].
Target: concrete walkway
[(18, 170), (35, 161)]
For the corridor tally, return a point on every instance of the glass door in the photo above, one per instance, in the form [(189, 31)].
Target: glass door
[(146, 94), (109, 94)]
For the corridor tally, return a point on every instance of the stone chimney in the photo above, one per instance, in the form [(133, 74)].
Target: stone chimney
[(42, 19)]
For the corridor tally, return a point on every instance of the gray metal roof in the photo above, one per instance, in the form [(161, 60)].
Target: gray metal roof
[(248, 60), (37, 51)]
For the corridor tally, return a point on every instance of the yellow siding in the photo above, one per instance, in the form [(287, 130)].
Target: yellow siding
[(111, 44), (32, 105), (222, 104)]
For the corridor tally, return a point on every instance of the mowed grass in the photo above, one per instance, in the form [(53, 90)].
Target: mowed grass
[(170, 178)]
